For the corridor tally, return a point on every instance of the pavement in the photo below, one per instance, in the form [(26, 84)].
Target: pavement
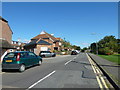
[(112, 69), (69, 71)]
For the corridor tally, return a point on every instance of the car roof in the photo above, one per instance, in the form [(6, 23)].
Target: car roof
[(19, 51)]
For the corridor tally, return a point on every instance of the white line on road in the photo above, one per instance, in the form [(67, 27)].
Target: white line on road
[(41, 80), (70, 60), (67, 62), (74, 58)]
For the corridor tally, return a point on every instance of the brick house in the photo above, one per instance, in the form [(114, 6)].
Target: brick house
[(5, 37), (18, 45), (44, 42)]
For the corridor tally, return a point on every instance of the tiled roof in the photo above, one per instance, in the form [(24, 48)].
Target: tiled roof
[(33, 42), (46, 35), (15, 45), (42, 42), (3, 19), (58, 38), (37, 41)]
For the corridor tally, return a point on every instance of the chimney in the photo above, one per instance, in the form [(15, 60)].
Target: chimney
[(43, 32), (52, 34)]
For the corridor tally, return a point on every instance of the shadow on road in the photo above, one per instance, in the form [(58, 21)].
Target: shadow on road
[(16, 70), (99, 64)]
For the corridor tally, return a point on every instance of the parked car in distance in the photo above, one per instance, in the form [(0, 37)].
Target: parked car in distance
[(74, 53), (20, 60), (77, 51), (47, 54)]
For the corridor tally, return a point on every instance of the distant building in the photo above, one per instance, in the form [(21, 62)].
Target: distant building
[(18, 45), (44, 42), (5, 37)]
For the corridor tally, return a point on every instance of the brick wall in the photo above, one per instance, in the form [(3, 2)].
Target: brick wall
[(57, 44), (38, 48), (6, 32)]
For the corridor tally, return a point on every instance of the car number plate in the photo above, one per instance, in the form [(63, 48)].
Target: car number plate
[(8, 60)]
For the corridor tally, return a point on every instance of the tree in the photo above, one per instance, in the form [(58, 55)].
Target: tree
[(83, 50), (67, 44), (93, 48), (118, 45), (107, 45), (76, 47)]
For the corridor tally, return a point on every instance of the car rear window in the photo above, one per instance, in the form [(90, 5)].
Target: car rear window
[(11, 55)]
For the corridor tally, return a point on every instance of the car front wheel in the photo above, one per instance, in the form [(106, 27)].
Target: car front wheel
[(42, 56), (40, 62), (22, 68), (53, 55)]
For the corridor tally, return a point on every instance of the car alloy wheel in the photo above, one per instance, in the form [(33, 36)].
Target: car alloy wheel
[(40, 62), (22, 68)]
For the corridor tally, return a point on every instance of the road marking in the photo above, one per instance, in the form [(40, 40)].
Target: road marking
[(95, 72), (70, 60), (74, 58), (99, 73), (41, 80), (67, 62), (102, 79)]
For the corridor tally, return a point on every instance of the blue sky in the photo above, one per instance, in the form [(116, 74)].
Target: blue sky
[(81, 23)]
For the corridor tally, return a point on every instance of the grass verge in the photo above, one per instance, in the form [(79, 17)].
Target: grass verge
[(113, 58)]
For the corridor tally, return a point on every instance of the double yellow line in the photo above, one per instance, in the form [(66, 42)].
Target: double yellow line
[(99, 74)]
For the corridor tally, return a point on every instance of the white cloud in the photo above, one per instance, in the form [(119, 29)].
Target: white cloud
[(84, 43), (26, 41)]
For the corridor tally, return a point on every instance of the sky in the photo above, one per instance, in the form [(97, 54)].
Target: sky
[(80, 23)]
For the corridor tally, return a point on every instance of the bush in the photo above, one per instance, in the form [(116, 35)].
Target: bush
[(105, 51), (57, 52)]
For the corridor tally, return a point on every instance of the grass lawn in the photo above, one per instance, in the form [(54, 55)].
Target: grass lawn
[(112, 58)]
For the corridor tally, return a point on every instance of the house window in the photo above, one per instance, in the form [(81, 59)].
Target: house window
[(55, 48), (60, 43)]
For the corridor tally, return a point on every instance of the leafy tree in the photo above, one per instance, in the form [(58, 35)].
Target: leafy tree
[(83, 50), (93, 48), (76, 47), (118, 42), (109, 42), (67, 44), (107, 45)]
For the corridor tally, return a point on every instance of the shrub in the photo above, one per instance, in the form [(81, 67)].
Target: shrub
[(105, 51)]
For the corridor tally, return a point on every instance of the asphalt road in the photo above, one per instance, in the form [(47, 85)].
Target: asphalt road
[(68, 71)]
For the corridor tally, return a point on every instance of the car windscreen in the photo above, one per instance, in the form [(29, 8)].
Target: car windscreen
[(11, 55)]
